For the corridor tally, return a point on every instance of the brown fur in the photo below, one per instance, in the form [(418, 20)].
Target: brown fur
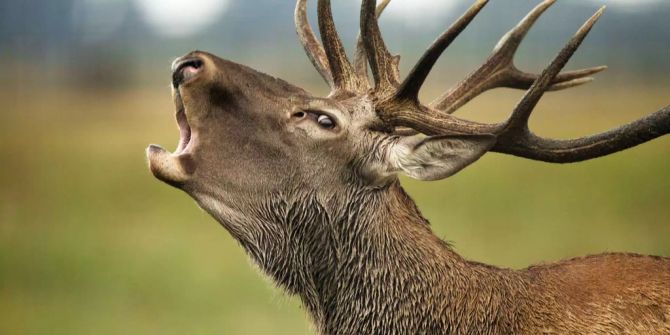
[(320, 209)]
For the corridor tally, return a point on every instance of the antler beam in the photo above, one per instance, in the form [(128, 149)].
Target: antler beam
[(514, 136), (399, 107), (635, 133)]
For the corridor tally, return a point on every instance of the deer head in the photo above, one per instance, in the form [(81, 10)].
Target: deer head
[(244, 131), (260, 154)]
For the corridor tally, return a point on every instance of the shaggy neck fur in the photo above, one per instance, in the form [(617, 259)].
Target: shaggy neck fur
[(371, 266)]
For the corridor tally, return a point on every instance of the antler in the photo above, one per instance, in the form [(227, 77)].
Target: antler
[(399, 107), (330, 59), (384, 66), (409, 89), (312, 46), (513, 136), (499, 69), (361, 57)]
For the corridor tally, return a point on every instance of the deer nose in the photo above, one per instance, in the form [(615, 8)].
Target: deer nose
[(185, 68)]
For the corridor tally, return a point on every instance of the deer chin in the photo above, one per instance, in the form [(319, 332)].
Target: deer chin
[(178, 167)]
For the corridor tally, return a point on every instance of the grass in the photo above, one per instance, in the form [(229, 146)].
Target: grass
[(91, 243)]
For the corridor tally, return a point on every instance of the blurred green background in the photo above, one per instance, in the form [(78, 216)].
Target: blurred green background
[(91, 243)]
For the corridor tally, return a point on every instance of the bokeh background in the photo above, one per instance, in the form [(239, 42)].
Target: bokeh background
[(91, 243)]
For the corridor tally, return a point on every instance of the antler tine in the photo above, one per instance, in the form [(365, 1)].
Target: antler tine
[(564, 80), (513, 135), (343, 74), (309, 41), (361, 58), (382, 63), (516, 139), (409, 89), (519, 119), (499, 69)]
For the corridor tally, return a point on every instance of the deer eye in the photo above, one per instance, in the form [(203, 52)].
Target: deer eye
[(325, 121)]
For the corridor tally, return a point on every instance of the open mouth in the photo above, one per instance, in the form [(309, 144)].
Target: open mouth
[(178, 167), (174, 168), (184, 127)]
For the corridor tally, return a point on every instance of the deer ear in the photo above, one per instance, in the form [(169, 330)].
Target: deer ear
[(438, 157)]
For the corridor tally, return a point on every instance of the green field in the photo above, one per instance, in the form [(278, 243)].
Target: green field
[(90, 243)]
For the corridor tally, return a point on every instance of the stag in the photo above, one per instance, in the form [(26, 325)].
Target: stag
[(309, 187)]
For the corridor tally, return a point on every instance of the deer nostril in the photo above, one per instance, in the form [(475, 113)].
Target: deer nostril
[(185, 69)]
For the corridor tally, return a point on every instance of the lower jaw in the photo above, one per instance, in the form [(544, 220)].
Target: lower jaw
[(173, 169)]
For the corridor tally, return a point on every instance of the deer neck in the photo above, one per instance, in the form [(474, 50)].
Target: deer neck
[(368, 262)]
